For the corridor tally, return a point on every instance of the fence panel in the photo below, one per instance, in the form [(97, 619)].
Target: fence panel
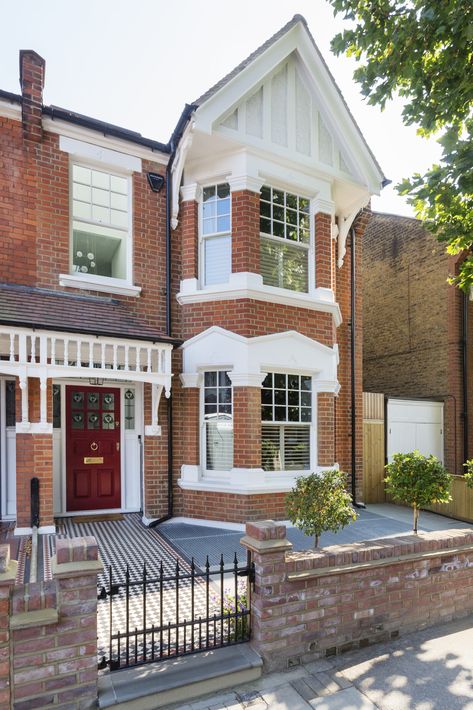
[(373, 448)]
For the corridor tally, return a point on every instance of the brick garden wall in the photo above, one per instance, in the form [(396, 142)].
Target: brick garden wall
[(320, 603), (48, 631)]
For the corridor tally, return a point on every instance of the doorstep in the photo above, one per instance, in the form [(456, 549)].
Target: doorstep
[(178, 680)]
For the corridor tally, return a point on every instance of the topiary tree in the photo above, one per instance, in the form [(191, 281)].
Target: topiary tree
[(320, 502), (417, 481)]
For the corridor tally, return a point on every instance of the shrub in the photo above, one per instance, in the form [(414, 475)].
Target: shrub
[(417, 481), (468, 476), (320, 502)]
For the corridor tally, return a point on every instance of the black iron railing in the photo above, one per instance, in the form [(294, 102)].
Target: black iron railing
[(158, 617)]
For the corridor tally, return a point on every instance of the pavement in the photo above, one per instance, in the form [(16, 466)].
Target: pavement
[(425, 670)]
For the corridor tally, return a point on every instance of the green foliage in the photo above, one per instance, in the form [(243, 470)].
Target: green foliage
[(320, 502), (417, 481), (468, 476), (422, 51)]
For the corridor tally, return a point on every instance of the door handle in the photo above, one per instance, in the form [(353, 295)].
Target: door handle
[(94, 446), (118, 445)]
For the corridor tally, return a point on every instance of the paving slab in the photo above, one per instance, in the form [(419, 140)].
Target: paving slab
[(285, 698), (348, 699)]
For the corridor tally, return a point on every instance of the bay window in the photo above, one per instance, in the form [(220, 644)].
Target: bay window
[(285, 239), (216, 234), (286, 413), (218, 420), (100, 223)]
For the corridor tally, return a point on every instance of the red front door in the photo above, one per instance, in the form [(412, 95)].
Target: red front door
[(92, 448)]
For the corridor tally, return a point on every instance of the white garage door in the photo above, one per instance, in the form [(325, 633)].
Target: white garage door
[(415, 424)]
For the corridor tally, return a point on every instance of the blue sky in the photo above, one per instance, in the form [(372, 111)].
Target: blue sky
[(137, 63)]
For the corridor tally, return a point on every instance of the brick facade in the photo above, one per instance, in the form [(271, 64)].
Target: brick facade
[(35, 188), (413, 323), (323, 602)]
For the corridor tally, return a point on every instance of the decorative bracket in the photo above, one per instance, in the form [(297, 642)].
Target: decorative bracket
[(177, 170), (154, 429), (344, 225)]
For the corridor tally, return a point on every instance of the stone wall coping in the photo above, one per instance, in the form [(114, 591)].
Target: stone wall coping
[(40, 617), (359, 566), (265, 546), (338, 558), (9, 576), (75, 569)]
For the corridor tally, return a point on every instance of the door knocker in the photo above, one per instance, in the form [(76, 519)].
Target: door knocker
[(94, 446)]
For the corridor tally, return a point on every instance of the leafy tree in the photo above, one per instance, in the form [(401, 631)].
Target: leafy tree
[(417, 481), (320, 502), (468, 476), (422, 51)]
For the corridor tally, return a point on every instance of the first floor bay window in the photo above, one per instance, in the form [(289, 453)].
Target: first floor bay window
[(286, 413), (100, 222), (218, 419), (285, 239)]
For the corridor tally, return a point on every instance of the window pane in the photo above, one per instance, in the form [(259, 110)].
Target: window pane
[(280, 380), (209, 193), (10, 403), (223, 223), (218, 257), (280, 414), (271, 448), (219, 443), (78, 421), (278, 197), (266, 193), (306, 399), (93, 420), (296, 448), (100, 179), (108, 420), (119, 184), (266, 396), (223, 190), (100, 197), (267, 414), (265, 209), (265, 226), (223, 379), (280, 396), (80, 174), (210, 379), (108, 401), (98, 254), (129, 409), (268, 380), (210, 395)]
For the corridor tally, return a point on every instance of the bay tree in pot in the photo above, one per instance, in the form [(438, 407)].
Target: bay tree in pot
[(320, 502), (417, 481)]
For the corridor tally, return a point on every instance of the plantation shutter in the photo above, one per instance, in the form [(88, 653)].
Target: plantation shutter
[(218, 259)]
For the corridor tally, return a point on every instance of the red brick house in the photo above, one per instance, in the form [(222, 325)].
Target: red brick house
[(177, 328), (417, 338)]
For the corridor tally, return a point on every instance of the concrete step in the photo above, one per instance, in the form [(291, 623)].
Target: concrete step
[(178, 680)]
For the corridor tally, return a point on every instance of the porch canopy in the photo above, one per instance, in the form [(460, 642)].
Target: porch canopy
[(46, 335)]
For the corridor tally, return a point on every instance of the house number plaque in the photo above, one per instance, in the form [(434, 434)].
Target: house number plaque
[(93, 459)]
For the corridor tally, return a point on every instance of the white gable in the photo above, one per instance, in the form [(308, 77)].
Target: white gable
[(283, 112)]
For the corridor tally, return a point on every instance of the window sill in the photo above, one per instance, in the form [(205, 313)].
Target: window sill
[(249, 285), (241, 481), (99, 283)]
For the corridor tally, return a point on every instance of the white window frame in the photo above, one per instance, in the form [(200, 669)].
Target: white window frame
[(203, 237), (210, 472), (108, 284), (310, 247), (311, 426)]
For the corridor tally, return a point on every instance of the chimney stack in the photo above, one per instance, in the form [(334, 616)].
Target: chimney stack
[(32, 72)]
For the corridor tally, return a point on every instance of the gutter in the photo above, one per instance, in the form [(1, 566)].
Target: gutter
[(172, 146)]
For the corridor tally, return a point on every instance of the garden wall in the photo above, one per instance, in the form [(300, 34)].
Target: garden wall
[(320, 603)]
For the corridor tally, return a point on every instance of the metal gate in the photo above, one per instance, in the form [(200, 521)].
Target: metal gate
[(154, 618)]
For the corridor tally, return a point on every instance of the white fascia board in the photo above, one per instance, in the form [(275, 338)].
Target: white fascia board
[(99, 154), (63, 128), (8, 109)]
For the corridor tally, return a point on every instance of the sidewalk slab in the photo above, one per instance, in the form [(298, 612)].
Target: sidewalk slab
[(348, 699)]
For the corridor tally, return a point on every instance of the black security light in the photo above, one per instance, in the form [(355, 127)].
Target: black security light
[(156, 181)]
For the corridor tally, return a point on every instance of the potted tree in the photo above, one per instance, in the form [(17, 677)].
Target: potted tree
[(417, 481), (320, 502)]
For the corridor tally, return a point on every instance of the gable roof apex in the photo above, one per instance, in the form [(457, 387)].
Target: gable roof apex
[(246, 62)]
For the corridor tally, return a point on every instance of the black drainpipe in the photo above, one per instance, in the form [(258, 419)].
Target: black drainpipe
[(353, 371), (465, 300), (173, 143)]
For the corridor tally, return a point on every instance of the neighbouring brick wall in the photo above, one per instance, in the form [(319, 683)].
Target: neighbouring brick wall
[(413, 322), (190, 239), (322, 602), (53, 637), (325, 429), (155, 460)]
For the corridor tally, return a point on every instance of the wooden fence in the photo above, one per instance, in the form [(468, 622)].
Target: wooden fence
[(373, 448)]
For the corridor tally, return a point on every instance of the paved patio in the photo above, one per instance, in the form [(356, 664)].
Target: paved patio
[(198, 541)]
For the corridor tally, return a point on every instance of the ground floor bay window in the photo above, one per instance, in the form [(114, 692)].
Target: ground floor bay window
[(218, 421)]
